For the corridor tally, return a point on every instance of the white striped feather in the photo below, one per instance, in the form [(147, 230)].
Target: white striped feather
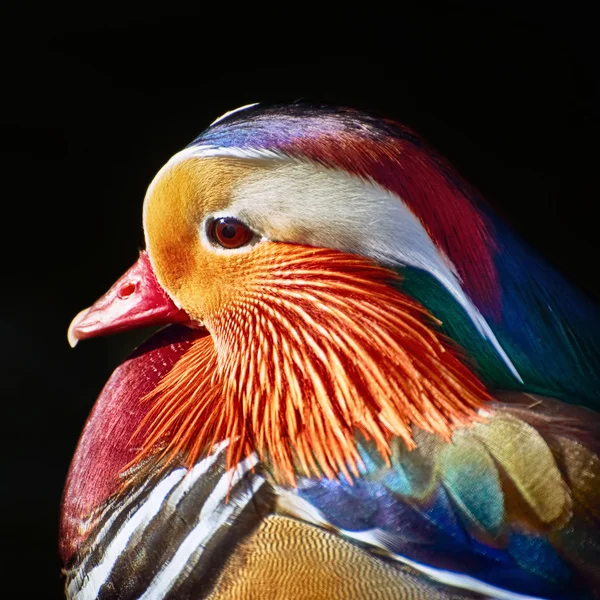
[(75, 583), (213, 516), (83, 585), (98, 576)]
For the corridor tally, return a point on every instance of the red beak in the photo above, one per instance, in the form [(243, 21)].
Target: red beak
[(135, 300)]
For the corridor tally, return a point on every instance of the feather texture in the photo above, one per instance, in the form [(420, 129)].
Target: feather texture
[(502, 503), (549, 330), (291, 372), (382, 399)]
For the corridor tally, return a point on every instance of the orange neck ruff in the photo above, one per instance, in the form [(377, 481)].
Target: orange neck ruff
[(312, 347)]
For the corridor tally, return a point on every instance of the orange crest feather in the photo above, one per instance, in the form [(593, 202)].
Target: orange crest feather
[(311, 347)]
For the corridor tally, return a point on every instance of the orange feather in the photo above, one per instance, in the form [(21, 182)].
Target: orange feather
[(308, 348)]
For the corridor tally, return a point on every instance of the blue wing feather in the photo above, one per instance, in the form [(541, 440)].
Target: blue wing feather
[(551, 330)]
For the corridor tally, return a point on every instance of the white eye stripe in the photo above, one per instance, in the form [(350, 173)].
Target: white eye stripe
[(335, 209), (210, 151)]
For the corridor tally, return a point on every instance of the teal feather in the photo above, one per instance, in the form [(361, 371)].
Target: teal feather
[(578, 356), (471, 478), (475, 350), (536, 555)]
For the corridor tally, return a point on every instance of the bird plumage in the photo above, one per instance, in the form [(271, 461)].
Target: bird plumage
[(378, 378)]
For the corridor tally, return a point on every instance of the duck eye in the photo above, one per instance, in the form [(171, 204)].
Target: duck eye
[(229, 233)]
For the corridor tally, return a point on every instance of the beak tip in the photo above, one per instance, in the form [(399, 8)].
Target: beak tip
[(72, 334)]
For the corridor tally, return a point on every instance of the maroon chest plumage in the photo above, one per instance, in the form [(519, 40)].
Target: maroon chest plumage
[(104, 449)]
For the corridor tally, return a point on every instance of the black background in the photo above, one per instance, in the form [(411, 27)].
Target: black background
[(94, 104)]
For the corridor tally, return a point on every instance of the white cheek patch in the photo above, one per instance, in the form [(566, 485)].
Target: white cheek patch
[(304, 203)]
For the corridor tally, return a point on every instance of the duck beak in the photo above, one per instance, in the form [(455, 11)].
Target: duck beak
[(135, 300)]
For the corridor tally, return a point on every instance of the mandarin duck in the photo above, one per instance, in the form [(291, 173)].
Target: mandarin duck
[(368, 386)]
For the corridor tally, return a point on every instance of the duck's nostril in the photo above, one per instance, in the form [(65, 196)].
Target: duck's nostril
[(126, 290)]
